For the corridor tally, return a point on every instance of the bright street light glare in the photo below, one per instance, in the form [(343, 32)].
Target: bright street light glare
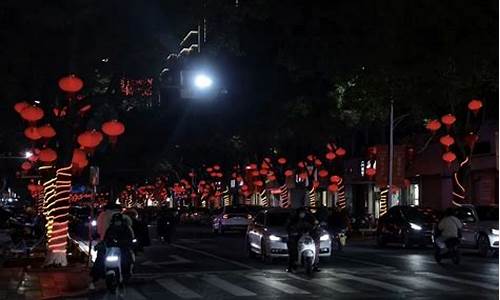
[(203, 81), (28, 154)]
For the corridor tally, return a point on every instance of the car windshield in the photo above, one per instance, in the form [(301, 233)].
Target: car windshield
[(236, 210), (417, 214), (277, 219), (487, 213)]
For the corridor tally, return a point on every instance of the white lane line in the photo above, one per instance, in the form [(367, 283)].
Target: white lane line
[(131, 293), (332, 284), (177, 288), (493, 277), (464, 281), (228, 286), (280, 286), (230, 261), (412, 258), (359, 261), (373, 282), (420, 282)]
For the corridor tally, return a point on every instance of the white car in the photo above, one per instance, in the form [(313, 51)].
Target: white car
[(267, 235), (231, 218), (480, 229)]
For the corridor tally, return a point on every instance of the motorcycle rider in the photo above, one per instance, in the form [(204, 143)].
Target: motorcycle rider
[(301, 221), (104, 220), (449, 228)]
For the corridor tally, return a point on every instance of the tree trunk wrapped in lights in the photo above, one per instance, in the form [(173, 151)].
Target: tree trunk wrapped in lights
[(58, 212), (67, 118)]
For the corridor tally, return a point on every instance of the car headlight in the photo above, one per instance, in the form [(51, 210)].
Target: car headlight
[(415, 226), (274, 238), (495, 231), (112, 258), (325, 237)]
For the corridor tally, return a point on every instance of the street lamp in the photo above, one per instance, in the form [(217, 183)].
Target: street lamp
[(202, 81), (28, 154)]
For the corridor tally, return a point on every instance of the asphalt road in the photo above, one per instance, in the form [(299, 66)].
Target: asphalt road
[(201, 265)]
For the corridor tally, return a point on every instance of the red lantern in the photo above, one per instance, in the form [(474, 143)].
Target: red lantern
[(303, 176), (113, 128), (210, 170), (47, 131), (216, 167), (18, 107), (288, 173), (79, 157), (271, 177), (317, 162), (475, 105), (335, 179), (255, 173), (301, 164), (70, 84), (32, 113), (90, 139), (244, 187), (315, 184), (340, 152), (433, 125), (471, 139), (282, 161), (267, 160), (329, 147), (447, 141), (47, 155), (310, 157), (263, 172), (449, 157), (333, 188), (25, 166), (253, 166), (448, 120), (330, 156), (370, 172), (323, 173), (32, 133)]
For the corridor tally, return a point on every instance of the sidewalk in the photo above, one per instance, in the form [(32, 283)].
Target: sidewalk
[(26, 279)]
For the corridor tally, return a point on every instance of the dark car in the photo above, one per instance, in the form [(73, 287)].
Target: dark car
[(407, 225)]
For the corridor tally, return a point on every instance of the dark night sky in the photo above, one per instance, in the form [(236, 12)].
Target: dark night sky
[(269, 54)]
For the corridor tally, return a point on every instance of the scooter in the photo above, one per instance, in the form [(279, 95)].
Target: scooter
[(306, 253), (452, 251), (113, 268)]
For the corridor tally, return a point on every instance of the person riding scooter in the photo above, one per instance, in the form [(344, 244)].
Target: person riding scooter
[(301, 222), (449, 228)]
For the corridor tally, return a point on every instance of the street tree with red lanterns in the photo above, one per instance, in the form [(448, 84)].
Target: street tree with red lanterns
[(52, 133), (458, 143)]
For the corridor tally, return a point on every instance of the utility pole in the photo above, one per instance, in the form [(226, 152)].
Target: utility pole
[(391, 154)]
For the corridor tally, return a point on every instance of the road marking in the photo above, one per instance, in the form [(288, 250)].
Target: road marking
[(131, 293), (493, 277), (464, 281), (228, 286), (177, 288), (176, 259), (373, 282), (280, 286), (230, 261), (420, 282), (365, 262), (413, 258), (332, 284)]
